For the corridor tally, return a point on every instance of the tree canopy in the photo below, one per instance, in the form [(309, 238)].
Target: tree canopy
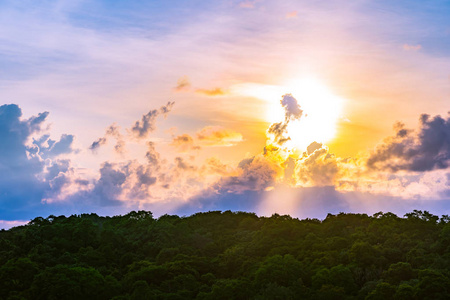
[(227, 255)]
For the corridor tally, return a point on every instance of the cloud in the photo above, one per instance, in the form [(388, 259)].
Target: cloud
[(184, 143), (46, 147), (108, 188), (292, 111), (248, 3), (183, 165), (209, 136), (318, 168), (9, 224), (277, 130), (408, 47), (425, 149), (291, 107), (28, 162), (314, 182), (99, 142), (15, 156), (254, 174), (112, 131), (147, 124), (183, 84), (214, 166), (313, 147), (152, 155), (218, 136), (212, 92), (292, 14)]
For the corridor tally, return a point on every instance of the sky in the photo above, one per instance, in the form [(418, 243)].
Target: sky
[(294, 107)]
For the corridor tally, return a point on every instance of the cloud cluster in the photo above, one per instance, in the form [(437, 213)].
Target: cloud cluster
[(425, 149), (31, 159), (305, 182), (140, 130)]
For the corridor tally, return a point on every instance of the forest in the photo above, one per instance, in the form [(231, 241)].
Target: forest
[(227, 255)]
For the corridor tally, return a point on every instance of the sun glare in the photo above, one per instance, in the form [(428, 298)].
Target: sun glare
[(321, 109)]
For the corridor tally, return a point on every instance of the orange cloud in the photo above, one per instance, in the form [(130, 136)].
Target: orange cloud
[(218, 136), (184, 143), (292, 14), (183, 84), (212, 92)]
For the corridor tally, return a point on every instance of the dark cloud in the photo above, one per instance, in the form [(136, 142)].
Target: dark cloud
[(63, 146), (122, 184), (58, 166), (35, 122), (96, 144), (152, 155), (292, 111), (291, 107), (14, 134), (147, 124), (109, 186), (112, 131), (426, 149), (183, 165), (278, 130)]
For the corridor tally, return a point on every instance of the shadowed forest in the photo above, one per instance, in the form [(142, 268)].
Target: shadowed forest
[(227, 255)]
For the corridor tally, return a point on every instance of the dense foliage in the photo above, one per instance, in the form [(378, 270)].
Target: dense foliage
[(226, 255)]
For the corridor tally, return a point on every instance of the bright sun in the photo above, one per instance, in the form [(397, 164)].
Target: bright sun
[(321, 110)]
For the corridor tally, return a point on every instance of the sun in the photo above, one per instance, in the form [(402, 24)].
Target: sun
[(321, 109)]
